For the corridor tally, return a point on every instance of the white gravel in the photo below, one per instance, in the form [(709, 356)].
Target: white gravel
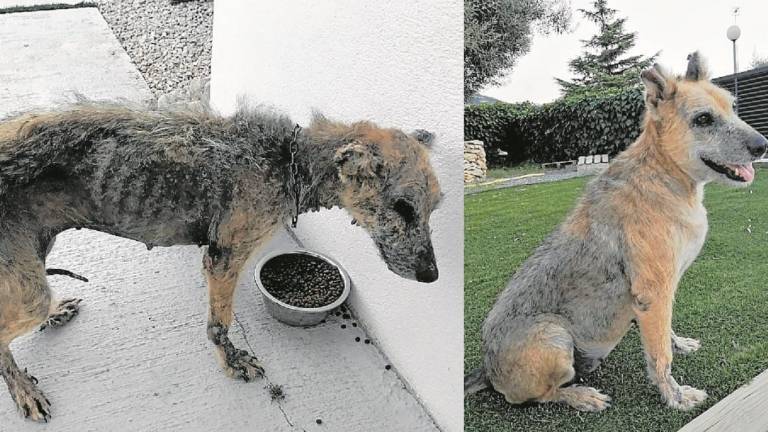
[(169, 44)]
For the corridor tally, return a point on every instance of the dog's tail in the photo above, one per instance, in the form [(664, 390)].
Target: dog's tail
[(476, 381)]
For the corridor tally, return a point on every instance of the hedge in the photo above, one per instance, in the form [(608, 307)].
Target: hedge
[(561, 130)]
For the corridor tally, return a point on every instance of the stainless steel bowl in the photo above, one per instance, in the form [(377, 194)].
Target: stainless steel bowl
[(293, 315)]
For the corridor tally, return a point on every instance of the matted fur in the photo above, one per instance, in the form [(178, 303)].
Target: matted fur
[(620, 254)]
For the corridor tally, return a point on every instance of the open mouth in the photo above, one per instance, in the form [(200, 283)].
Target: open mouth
[(740, 173)]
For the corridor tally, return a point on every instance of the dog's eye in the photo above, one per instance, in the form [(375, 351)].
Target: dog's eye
[(703, 119), (405, 210)]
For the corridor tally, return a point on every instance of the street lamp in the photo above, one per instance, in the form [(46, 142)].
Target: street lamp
[(733, 33)]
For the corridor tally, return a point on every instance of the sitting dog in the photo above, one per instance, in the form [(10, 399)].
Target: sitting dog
[(620, 254), (175, 178)]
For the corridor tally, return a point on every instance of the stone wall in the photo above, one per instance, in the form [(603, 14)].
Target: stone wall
[(475, 166)]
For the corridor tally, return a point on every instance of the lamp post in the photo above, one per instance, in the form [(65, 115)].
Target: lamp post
[(733, 33)]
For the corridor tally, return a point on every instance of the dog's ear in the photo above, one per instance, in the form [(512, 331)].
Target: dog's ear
[(423, 136), (658, 86), (697, 68), (357, 159)]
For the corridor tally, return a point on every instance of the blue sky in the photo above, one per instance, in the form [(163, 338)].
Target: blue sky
[(674, 27)]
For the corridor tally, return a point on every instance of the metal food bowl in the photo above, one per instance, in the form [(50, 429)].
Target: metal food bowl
[(294, 315)]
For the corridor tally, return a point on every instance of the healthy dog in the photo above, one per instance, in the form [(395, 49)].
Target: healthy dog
[(620, 254), (175, 178)]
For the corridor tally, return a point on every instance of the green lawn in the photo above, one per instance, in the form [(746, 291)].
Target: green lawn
[(722, 300)]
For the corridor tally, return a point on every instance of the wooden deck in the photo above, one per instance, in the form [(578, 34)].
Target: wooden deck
[(745, 410)]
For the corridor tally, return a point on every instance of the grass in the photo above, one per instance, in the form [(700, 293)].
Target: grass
[(722, 300)]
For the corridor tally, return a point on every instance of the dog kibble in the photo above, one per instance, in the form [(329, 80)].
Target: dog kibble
[(367, 341), (302, 280), (357, 339), (387, 367), (343, 326), (276, 392), (319, 421)]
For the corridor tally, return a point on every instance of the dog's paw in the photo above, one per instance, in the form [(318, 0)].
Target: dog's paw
[(684, 345), (31, 402), (585, 398), (243, 365), (686, 398), (65, 311)]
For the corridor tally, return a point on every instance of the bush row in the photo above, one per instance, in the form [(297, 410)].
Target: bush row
[(561, 130)]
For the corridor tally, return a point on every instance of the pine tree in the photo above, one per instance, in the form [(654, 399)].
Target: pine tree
[(605, 63)]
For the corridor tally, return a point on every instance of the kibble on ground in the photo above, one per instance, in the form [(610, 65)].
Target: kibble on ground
[(302, 280)]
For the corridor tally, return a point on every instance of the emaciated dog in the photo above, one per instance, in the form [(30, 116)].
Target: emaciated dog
[(174, 178)]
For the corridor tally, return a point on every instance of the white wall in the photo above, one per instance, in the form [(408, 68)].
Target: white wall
[(398, 63)]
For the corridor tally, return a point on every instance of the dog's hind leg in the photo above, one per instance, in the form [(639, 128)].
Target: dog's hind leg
[(30, 401), (536, 366), (582, 398), (24, 303), (65, 310), (62, 313)]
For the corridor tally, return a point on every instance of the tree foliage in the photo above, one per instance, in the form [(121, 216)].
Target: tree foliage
[(498, 32), (605, 64)]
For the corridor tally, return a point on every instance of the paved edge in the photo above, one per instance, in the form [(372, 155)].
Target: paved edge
[(18, 8)]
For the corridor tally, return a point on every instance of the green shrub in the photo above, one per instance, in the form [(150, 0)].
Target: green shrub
[(561, 130)]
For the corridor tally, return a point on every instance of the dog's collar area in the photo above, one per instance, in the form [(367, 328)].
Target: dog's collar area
[(294, 168), (724, 169)]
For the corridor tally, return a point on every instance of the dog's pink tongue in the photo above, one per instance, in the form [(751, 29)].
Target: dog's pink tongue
[(747, 172)]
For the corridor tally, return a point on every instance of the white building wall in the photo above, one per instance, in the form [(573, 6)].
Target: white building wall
[(398, 63)]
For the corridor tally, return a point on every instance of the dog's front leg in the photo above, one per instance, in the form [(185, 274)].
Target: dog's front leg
[(222, 268), (653, 309)]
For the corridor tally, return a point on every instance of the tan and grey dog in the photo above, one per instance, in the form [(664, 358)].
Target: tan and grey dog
[(174, 178), (620, 254)]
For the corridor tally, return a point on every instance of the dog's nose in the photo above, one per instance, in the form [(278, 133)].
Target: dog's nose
[(427, 275), (426, 266), (757, 146)]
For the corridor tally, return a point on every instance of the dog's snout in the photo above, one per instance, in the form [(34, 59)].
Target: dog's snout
[(757, 146)]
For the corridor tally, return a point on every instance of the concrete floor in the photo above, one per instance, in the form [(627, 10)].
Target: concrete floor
[(50, 57), (137, 356)]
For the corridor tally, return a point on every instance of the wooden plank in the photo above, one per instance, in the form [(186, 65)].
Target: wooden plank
[(743, 410)]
